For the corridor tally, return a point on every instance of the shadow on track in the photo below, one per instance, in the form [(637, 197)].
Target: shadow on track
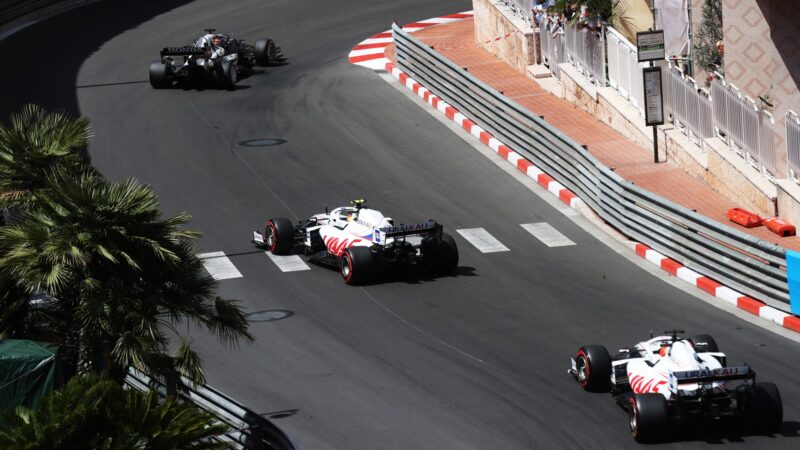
[(49, 54)]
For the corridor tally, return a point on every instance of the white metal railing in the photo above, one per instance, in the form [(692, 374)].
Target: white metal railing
[(742, 125), (551, 38), (793, 143), (690, 107), (586, 51), (624, 69), (522, 8)]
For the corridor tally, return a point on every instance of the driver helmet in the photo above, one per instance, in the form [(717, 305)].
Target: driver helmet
[(216, 40), (663, 350)]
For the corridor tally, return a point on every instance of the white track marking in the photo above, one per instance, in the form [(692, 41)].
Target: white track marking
[(219, 266), (288, 263), (547, 234), (482, 240)]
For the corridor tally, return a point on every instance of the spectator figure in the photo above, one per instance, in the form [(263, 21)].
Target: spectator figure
[(540, 8)]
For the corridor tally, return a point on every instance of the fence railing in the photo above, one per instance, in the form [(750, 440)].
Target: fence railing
[(793, 143), (553, 50), (624, 69), (743, 126), (586, 51), (737, 259), (522, 8), (250, 429), (691, 107)]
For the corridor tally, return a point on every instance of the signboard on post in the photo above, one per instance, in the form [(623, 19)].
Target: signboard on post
[(650, 45), (653, 96)]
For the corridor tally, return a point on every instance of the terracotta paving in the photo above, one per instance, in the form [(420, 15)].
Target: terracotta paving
[(456, 41)]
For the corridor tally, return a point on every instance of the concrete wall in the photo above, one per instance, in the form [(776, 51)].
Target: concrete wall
[(503, 34)]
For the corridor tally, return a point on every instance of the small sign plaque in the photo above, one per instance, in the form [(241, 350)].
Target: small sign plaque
[(653, 97), (650, 45)]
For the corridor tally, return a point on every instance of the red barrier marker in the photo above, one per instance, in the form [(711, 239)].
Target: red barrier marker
[(744, 217), (780, 226)]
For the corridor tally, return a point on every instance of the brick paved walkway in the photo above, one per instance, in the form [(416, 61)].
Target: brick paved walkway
[(456, 41)]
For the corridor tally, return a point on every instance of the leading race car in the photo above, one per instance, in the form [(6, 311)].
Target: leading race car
[(361, 242), (212, 57), (667, 380)]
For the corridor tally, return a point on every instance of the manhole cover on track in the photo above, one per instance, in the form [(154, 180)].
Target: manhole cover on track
[(262, 142), (269, 315)]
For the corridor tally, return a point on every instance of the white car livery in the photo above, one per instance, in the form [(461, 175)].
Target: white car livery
[(667, 380), (361, 242)]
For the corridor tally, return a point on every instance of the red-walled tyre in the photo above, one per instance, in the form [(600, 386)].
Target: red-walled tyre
[(649, 417), (357, 265), (279, 236), (593, 368)]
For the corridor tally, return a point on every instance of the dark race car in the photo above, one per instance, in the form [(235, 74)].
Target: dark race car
[(214, 57)]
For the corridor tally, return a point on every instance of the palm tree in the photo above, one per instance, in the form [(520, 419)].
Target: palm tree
[(92, 412), (34, 142), (121, 276)]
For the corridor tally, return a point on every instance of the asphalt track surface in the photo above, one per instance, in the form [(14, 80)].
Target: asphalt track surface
[(472, 361)]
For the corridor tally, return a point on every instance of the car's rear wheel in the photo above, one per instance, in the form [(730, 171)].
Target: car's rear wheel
[(441, 256), (593, 368), (357, 265), (649, 417), (266, 52), (279, 236), (227, 74), (766, 408), (704, 343), (159, 75)]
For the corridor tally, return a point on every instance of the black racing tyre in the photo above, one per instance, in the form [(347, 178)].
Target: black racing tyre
[(766, 408), (649, 417), (227, 73), (441, 256), (279, 236), (704, 343), (159, 75), (593, 368), (357, 265), (266, 52)]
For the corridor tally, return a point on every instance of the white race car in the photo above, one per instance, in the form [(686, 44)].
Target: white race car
[(668, 380), (360, 242)]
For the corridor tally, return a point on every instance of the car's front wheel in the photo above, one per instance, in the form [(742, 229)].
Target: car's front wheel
[(279, 236), (593, 368), (266, 52)]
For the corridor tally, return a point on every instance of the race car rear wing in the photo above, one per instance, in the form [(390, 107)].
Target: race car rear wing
[(709, 376), (181, 51), (379, 235)]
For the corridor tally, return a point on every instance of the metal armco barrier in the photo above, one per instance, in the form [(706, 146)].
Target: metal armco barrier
[(250, 430), (793, 143), (736, 259)]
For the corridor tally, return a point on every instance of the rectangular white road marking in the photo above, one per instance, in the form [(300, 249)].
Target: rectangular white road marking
[(482, 240), (219, 266), (288, 263), (547, 234)]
